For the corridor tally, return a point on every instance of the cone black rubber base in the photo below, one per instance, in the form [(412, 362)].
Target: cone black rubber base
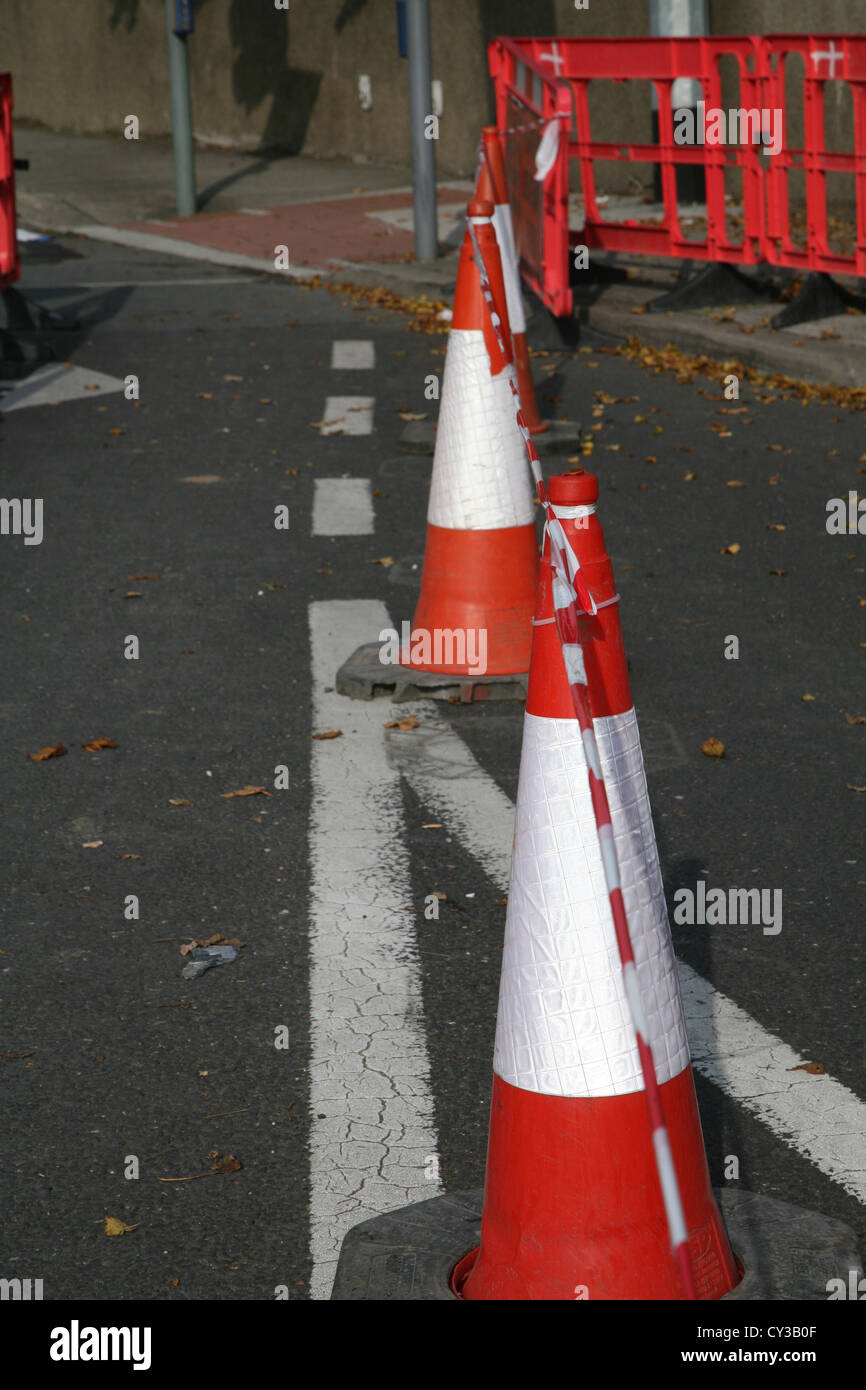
[(365, 677), (787, 1252)]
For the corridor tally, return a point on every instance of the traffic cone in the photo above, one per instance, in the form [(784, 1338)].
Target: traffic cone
[(481, 558), (502, 221), (572, 1204)]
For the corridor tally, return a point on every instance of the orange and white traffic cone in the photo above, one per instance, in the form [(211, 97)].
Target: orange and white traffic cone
[(481, 558), (573, 1206), (502, 221)]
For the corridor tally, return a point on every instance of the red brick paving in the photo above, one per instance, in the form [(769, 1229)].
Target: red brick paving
[(315, 233)]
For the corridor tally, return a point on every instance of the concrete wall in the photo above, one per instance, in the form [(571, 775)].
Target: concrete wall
[(288, 79)]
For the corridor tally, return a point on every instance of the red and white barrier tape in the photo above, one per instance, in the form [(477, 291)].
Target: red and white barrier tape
[(569, 589)]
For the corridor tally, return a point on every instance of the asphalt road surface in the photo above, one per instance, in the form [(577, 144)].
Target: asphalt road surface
[(117, 1073)]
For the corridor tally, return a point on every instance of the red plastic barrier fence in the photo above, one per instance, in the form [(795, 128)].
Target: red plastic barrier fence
[(10, 264), (540, 80)]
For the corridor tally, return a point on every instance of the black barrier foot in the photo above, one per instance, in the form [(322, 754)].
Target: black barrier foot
[(19, 359), (713, 287), (820, 297), (23, 315)]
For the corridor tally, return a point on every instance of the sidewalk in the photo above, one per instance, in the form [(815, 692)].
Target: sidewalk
[(353, 222)]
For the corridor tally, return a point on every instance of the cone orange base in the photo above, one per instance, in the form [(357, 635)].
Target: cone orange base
[(480, 580), (562, 1221)]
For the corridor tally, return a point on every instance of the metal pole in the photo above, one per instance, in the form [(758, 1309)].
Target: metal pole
[(423, 152), (181, 118)]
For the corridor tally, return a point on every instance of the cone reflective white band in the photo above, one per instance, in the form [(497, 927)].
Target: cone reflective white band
[(479, 479), (564, 1025)]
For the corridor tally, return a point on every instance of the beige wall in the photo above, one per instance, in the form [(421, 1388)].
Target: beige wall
[(289, 79)]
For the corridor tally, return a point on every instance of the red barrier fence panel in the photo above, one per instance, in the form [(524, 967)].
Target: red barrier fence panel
[(526, 101), (10, 264), (539, 77), (818, 60)]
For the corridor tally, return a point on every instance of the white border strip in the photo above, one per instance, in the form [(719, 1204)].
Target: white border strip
[(372, 1132)]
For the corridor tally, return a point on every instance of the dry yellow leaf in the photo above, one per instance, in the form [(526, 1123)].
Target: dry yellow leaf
[(731, 549), (115, 1227), (330, 733), (713, 748), (247, 791), (410, 722)]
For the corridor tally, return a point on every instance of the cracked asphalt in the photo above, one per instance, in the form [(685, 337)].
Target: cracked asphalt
[(108, 1055)]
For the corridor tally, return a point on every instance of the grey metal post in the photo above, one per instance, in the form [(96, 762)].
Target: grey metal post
[(181, 118), (423, 150)]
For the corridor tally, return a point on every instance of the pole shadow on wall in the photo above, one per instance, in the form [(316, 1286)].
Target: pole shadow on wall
[(260, 36)]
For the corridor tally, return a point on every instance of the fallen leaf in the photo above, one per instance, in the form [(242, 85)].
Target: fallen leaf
[(385, 560), (731, 549), (229, 377), (855, 718), (777, 572), (53, 750), (410, 415), (851, 788), (814, 1068), (807, 697), (410, 722), (330, 733), (204, 395), (228, 1164), (713, 748), (130, 856), (246, 791), (116, 430), (774, 448), (143, 576), (377, 492), (178, 801), (689, 477), (133, 593), (735, 482), (774, 481), (115, 1227), (97, 744), (435, 825), (777, 526), (91, 844)]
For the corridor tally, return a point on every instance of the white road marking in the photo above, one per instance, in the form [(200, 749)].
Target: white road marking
[(348, 415), (342, 507), (56, 383), (348, 354), (372, 1129), (816, 1115)]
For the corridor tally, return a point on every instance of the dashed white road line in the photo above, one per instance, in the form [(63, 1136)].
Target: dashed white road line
[(372, 1136), (343, 507), (348, 415), (816, 1115), (353, 354)]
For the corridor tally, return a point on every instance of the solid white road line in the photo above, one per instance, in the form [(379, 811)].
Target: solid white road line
[(350, 354), (372, 1136), (342, 507), (816, 1115), (348, 415)]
